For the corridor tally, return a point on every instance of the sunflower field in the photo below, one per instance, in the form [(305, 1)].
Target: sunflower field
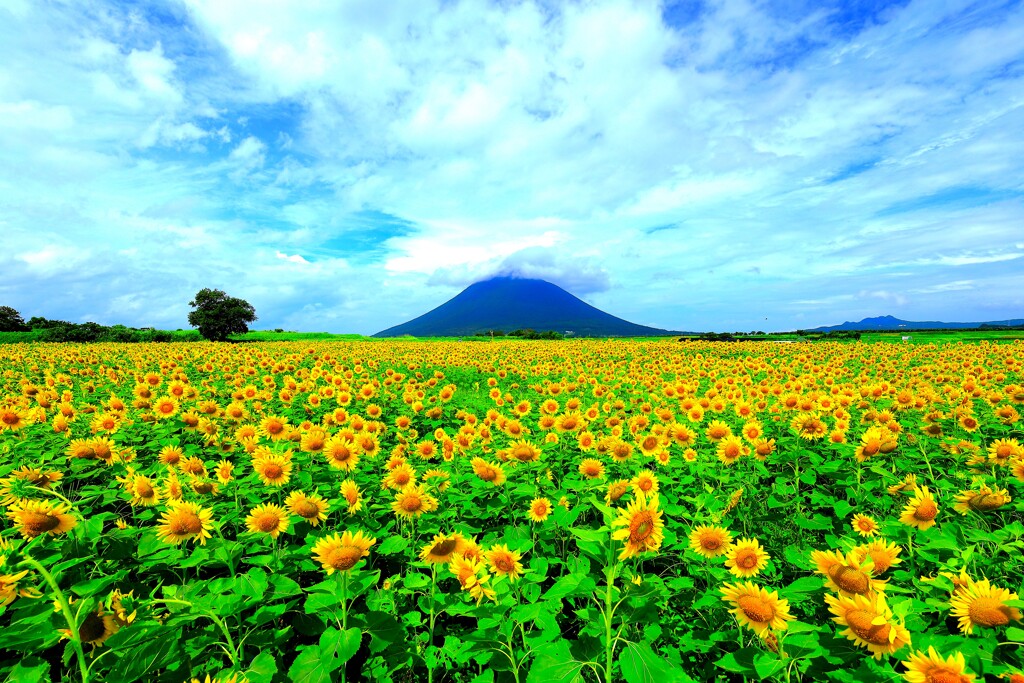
[(527, 512)]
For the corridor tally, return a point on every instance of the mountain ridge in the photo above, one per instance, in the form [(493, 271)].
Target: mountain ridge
[(511, 303), (888, 322)]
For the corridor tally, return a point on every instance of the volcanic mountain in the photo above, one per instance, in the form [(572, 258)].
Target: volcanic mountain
[(507, 303)]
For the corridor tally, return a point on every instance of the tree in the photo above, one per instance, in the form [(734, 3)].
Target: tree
[(11, 320), (218, 315)]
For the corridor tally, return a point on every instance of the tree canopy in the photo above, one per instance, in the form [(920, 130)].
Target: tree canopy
[(11, 320), (218, 315)]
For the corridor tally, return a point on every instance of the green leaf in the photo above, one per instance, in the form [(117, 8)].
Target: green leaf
[(1015, 634), (767, 665), (262, 668), (741, 661), (29, 670), (394, 544), (639, 664), (337, 647), (142, 651), (308, 667), (570, 584), (555, 664)]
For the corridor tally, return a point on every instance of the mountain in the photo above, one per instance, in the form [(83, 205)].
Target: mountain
[(507, 303), (887, 322)]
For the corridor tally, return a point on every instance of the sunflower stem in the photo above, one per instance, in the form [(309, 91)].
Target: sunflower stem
[(65, 608), (344, 616), (433, 618)]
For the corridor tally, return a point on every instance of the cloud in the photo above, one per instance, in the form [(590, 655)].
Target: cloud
[(686, 169)]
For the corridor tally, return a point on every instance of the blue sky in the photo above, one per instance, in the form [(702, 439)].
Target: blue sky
[(730, 165)]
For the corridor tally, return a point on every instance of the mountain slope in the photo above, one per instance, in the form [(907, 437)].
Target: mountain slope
[(888, 322), (505, 303)]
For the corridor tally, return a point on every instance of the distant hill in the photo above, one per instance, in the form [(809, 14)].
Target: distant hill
[(506, 303), (887, 322)]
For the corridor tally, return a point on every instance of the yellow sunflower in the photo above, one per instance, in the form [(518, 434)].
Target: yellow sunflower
[(591, 468), (642, 526), (353, 496), (524, 451), (882, 555), (756, 608), (984, 499), (310, 506), (267, 519), (869, 623), (932, 668), (847, 575), (746, 558), (540, 508), (341, 453), (616, 490), (143, 490), (645, 482), (340, 554), (274, 428), (37, 517), (979, 603), (921, 511), (491, 472), (504, 562), (730, 449), (472, 576), (710, 541), (183, 521), (273, 469), (443, 547), (865, 525), (413, 501)]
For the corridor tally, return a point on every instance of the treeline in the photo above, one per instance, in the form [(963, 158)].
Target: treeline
[(522, 334), (64, 331)]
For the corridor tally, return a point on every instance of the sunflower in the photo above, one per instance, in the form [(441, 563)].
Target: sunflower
[(932, 668), (472, 576), (921, 511), (710, 541), (401, 476), (37, 517), (865, 525), (642, 526), (645, 482), (353, 496), (492, 473), (95, 628), (12, 419), (233, 678), (143, 490), (165, 407), (524, 451), (267, 519), (540, 508), (274, 428), (847, 575), (908, 483), (311, 507), (504, 562), (183, 521), (984, 499), (979, 603), (869, 623), (591, 468), (224, 470), (730, 449), (273, 469), (746, 558), (1002, 451), (756, 608), (616, 490), (9, 589), (443, 548), (717, 430), (870, 444), (342, 554), (24, 477), (882, 554), (313, 441), (413, 501), (809, 426)]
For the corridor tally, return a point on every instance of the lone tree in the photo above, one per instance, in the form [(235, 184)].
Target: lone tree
[(217, 315), (11, 320)]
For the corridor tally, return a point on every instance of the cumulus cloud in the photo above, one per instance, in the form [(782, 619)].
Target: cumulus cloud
[(578, 275)]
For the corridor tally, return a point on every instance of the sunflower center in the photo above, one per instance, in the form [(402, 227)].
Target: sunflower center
[(881, 561), (711, 542), (186, 523), (488, 474), (272, 471), (92, 628), (275, 427), (344, 558), (988, 611), (39, 522), (871, 448), (444, 548), (306, 509), (650, 443), (850, 580), (943, 675), (746, 560), (11, 418), (985, 501), (412, 503), (641, 527), (926, 511), (860, 620), (267, 522), (523, 453), (1004, 451), (504, 564), (756, 609), (202, 487), (143, 489)]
